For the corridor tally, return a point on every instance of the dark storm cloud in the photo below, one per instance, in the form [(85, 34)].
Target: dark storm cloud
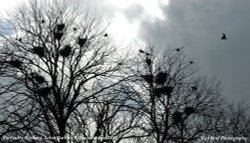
[(198, 25)]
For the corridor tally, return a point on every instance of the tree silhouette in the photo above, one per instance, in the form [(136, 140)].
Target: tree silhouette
[(233, 121), (53, 74), (172, 110), (62, 76)]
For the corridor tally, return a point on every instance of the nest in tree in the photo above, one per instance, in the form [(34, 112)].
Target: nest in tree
[(148, 78), (15, 63), (105, 35), (74, 29), (81, 41), (39, 51), (40, 79), (177, 117), (97, 133), (189, 110), (58, 35), (163, 90), (60, 27), (161, 78), (141, 51), (44, 91), (65, 52), (43, 21)]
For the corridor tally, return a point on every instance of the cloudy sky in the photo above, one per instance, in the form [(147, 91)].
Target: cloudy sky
[(195, 24)]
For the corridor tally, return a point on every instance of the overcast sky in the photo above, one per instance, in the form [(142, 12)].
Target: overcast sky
[(195, 24)]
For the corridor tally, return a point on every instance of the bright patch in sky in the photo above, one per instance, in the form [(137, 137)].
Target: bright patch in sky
[(151, 7), (127, 30), (122, 30), (164, 2), (8, 5)]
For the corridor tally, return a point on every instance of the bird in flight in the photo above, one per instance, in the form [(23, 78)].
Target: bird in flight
[(224, 37), (178, 49)]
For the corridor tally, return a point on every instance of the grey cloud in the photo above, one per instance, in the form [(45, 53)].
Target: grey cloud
[(198, 25), (134, 12)]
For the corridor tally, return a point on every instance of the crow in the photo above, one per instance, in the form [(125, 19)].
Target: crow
[(178, 49), (223, 37)]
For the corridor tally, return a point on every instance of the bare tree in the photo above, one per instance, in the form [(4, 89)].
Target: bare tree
[(176, 104), (232, 125), (57, 65)]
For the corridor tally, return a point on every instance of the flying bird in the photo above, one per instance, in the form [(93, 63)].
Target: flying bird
[(223, 37), (178, 49)]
